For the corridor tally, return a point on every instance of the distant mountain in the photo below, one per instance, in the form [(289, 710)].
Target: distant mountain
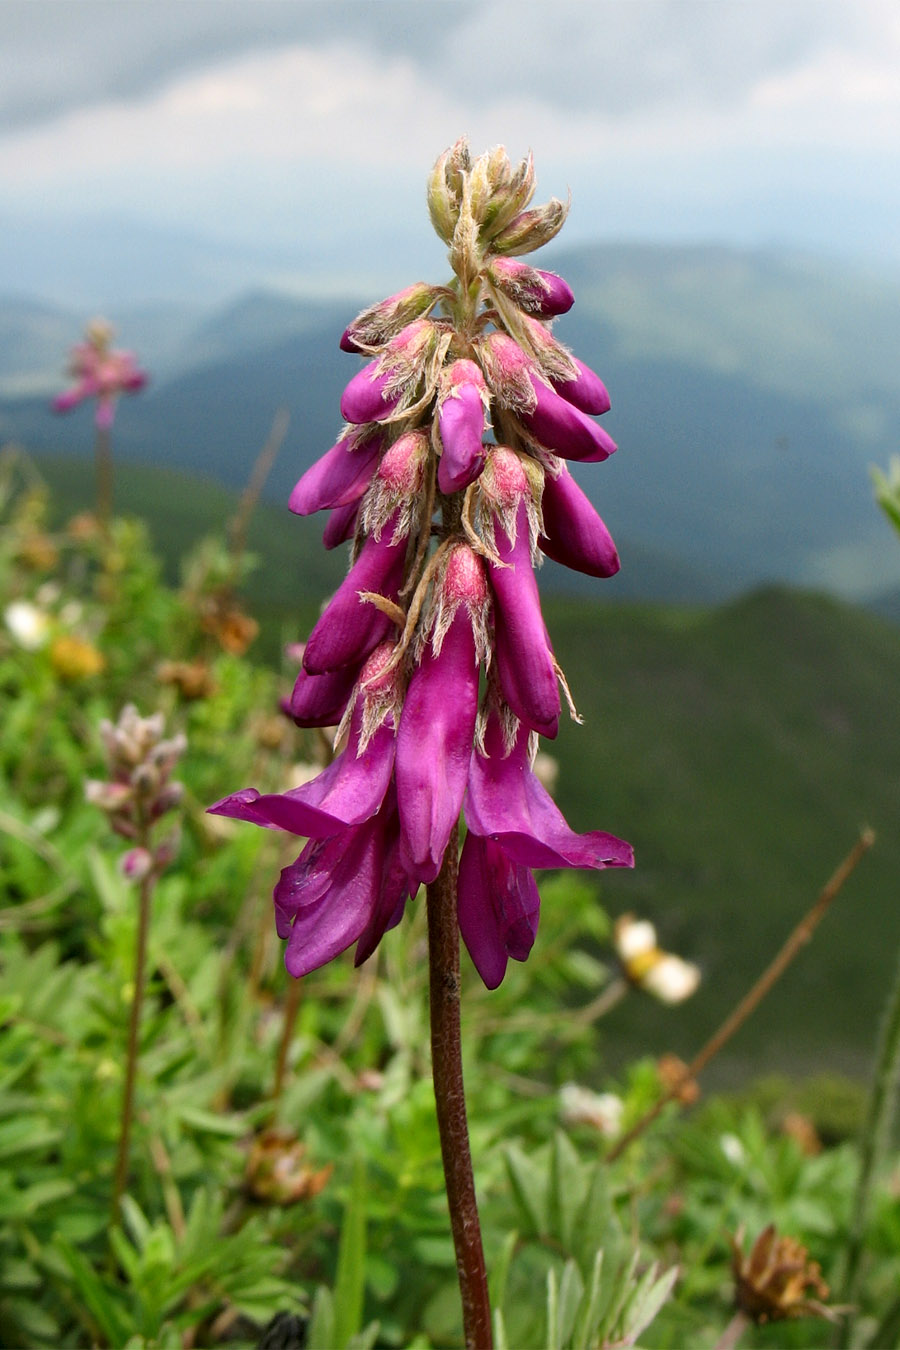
[(750, 394)]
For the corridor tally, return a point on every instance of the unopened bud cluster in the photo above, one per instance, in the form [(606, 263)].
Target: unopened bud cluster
[(139, 790), (450, 478)]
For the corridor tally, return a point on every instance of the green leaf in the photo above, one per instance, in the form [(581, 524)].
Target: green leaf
[(571, 1291), (554, 1341), (588, 1319), (500, 1270), (110, 1318), (350, 1282), (26, 1134), (564, 1191), (320, 1334), (529, 1189), (229, 1127), (646, 1301)]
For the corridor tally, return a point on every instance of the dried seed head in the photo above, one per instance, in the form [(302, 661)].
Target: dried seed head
[(775, 1281)]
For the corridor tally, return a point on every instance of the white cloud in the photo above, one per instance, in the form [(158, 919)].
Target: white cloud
[(663, 116)]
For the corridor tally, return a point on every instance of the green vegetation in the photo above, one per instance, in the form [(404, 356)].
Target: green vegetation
[(284, 1159)]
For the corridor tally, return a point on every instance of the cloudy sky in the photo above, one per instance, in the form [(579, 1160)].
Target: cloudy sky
[(192, 146)]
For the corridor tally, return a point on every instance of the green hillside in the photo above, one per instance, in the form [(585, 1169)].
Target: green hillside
[(738, 748)]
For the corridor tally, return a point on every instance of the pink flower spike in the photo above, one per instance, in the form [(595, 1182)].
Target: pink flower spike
[(461, 426), (499, 907), (437, 724), (523, 653), (350, 627), (341, 525), (507, 803), (100, 373), (562, 427), (574, 534), (340, 477), (587, 393)]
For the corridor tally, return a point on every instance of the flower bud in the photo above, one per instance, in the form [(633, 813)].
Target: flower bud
[(531, 229), (341, 475), (444, 196), (461, 410), (513, 191), (136, 864), (376, 325), (532, 290), (396, 490)]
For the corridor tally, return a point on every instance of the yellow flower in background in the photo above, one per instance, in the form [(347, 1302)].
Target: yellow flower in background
[(74, 658)]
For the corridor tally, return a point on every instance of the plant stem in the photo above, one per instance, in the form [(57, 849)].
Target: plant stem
[(104, 465), (291, 1008), (754, 996), (733, 1332), (873, 1144), (449, 1095), (134, 1026)]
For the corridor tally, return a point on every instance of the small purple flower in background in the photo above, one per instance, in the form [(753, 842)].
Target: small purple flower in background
[(450, 477), (100, 373)]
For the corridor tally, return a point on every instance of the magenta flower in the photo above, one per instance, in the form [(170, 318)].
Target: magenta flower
[(514, 825), (460, 416), (434, 742), (530, 289), (343, 889), (351, 626), (340, 477), (100, 373), (433, 656), (573, 533)]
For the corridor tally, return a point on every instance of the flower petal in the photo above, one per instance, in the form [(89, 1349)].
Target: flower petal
[(587, 392), (348, 792), (325, 899), (499, 907), (350, 627), (341, 525), (434, 746), (461, 424), (574, 534), (396, 888), (341, 476), (364, 398), (321, 700), (506, 802), (563, 428), (523, 653)]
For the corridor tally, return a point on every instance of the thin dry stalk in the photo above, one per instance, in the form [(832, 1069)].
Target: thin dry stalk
[(748, 1004)]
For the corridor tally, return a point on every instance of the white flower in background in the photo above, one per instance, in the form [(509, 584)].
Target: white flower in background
[(733, 1149), (602, 1110), (671, 979), (663, 974), (29, 626)]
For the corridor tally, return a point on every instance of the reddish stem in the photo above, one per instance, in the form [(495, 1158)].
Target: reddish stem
[(449, 1095)]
